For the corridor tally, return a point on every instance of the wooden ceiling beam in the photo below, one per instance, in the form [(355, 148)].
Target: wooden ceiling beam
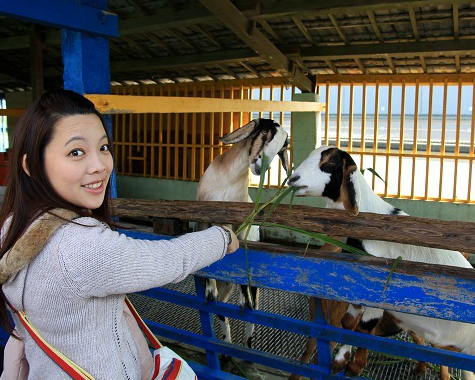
[(207, 34), (183, 39), (374, 25), (455, 8), (271, 31), (332, 66), (156, 40), (415, 29), (256, 40), (337, 27), (423, 64), (381, 50), (303, 30), (360, 65), (391, 64)]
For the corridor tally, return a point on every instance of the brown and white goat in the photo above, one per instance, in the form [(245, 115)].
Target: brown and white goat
[(332, 174), (227, 179)]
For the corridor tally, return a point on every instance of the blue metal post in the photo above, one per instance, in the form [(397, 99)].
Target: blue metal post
[(323, 346), (86, 66), (207, 325)]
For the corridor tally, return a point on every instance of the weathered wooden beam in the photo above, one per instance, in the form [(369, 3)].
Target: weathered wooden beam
[(332, 66), (395, 228), (183, 39), (256, 40), (423, 63), (337, 27), (208, 35), (384, 79), (250, 69), (117, 104), (303, 30), (271, 31), (360, 65), (391, 64), (189, 60), (380, 50), (455, 8), (415, 30), (457, 63), (152, 37), (374, 25), (15, 74)]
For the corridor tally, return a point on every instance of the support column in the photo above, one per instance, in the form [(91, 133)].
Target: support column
[(86, 65), (306, 129)]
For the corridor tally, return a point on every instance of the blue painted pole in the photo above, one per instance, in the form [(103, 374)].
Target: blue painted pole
[(207, 325), (86, 66)]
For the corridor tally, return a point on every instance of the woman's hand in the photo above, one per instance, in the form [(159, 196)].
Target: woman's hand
[(234, 245)]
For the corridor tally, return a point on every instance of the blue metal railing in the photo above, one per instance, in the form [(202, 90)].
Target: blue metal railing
[(360, 280)]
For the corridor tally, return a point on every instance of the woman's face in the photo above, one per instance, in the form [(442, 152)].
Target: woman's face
[(78, 162)]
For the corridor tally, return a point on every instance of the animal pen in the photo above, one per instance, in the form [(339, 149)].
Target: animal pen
[(392, 83)]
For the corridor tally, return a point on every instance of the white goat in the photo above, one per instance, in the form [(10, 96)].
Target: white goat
[(332, 174), (227, 179)]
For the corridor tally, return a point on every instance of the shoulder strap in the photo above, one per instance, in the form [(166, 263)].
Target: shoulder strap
[(71, 368)]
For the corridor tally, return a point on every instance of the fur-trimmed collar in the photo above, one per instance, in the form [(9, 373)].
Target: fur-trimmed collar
[(32, 241)]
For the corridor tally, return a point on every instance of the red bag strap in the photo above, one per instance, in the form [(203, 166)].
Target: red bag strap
[(71, 368)]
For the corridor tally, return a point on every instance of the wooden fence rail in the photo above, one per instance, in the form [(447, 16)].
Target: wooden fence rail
[(400, 229)]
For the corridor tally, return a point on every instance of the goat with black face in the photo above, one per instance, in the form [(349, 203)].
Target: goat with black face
[(332, 174), (227, 179)]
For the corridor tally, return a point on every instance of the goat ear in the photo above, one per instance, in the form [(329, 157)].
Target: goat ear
[(284, 159), (240, 134), (348, 187)]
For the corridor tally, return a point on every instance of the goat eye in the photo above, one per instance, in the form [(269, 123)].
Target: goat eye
[(264, 132)]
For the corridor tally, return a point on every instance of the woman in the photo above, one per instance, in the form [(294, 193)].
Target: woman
[(73, 290)]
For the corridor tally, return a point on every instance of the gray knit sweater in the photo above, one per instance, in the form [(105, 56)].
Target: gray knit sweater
[(73, 293)]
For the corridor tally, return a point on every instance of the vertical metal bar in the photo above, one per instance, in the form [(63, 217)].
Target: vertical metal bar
[(327, 111), (363, 125), (152, 145), (177, 139), (207, 326), (193, 140), (414, 139), (138, 118), (429, 137), (457, 139), (261, 91), (472, 142), (271, 116), (375, 126), (160, 140), (131, 127), (145, 132), (221, 121), (279, 173), (401, 136), (388, 138), (350, 120), (211, 134), (169, 138), (185, 139), (338, 116), (442, 139), (324, 351), (202, 140), (124, 133)]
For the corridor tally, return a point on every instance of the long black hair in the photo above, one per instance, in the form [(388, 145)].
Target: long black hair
[(29, 196)]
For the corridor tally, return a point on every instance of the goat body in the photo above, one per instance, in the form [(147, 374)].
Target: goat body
[(332, 174)]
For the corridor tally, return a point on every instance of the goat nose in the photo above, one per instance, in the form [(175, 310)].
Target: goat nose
[(293, 179)]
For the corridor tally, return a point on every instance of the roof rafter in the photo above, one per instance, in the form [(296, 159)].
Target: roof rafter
[(455, 8), (393, 49), (271, 31), (360, 65), (415, 29), (337, 27), (374, 25), (303, 29), (256, 40)]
